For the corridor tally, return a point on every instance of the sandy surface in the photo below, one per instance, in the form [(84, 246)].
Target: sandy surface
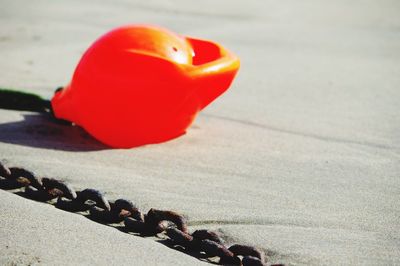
[(301, 157)]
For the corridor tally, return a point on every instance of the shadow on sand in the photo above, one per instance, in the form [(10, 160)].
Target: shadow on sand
[(41, 131)]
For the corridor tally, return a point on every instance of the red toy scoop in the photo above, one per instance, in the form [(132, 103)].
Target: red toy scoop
[(143, 84)]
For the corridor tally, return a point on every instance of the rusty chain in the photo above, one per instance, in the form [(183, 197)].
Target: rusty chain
[(204, 243)]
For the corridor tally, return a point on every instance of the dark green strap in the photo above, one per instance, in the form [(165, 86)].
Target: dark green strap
[(24, 101)]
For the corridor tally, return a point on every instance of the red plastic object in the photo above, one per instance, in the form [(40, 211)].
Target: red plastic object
[(143, 84)]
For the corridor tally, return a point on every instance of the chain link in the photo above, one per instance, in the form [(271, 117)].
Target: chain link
[(201, 243)]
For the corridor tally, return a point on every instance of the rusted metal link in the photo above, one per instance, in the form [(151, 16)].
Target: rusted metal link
[(134, 225), (124, 204), (207, 234), (115, 215), (180, 238), (123, 213), (18, 182), (72, 205), (209, 247), (245, 250), (94, 195), (4, 170), (138, 216), (51, 183), (18, 173), (143, 228), (16, 177), (156, 216), (23, 181), (213, 249), (252, 261), (8, 184), (99, 214), (42, 195)]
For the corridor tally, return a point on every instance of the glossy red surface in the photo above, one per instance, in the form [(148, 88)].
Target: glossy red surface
[(143, 84)]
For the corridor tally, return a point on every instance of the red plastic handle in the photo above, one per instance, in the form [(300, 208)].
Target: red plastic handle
[(213, 68)]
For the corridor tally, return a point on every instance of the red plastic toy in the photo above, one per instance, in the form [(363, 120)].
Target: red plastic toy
[(143, 84)]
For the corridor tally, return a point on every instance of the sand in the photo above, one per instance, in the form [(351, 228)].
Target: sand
[(300, 157)]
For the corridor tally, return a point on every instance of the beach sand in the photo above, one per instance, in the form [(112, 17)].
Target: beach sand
[(300, 157)]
